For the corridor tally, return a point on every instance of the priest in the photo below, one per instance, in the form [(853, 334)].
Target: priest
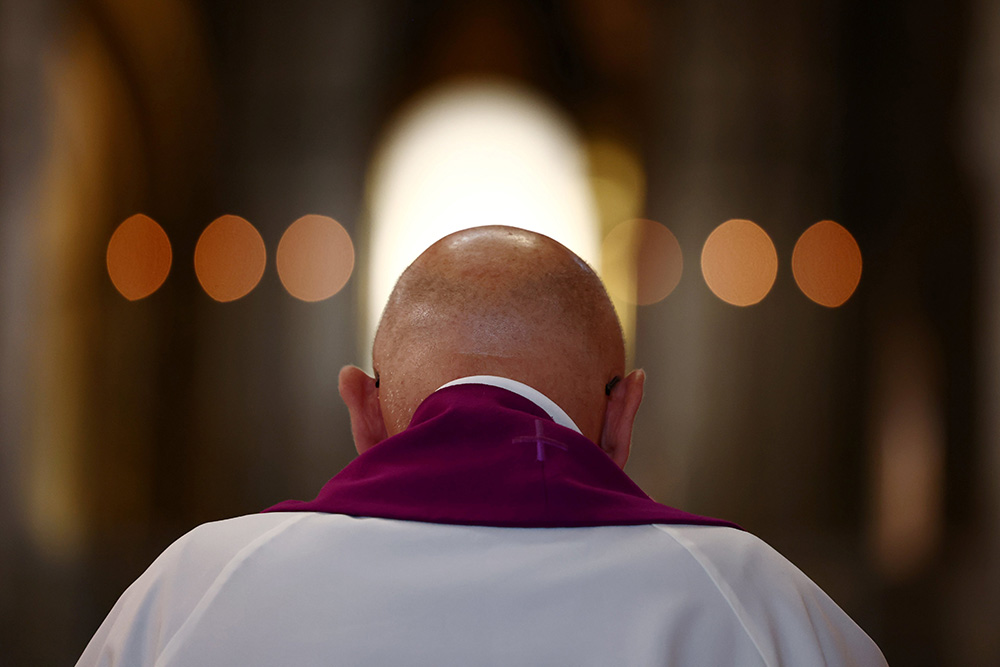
[(487, 519)]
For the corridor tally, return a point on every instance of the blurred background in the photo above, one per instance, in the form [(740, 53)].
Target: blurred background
[(178, 367)]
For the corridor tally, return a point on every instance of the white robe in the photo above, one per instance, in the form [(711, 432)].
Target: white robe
[(306, 588)]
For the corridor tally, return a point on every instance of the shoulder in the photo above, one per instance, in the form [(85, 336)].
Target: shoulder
[(158, 604), (723, 551), (787, 616), (222, 540), (197, 560), (204, 552)]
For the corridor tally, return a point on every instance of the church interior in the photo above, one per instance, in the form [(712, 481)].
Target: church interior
[(795, 207)]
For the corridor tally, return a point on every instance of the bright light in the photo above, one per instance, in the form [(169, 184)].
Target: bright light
[(315, 258), (138, 257), (229, 258), (739, 262), (642, 262), (468, 155), (826, 263)]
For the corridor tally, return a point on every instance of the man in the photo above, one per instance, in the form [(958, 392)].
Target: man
[(487, 519)]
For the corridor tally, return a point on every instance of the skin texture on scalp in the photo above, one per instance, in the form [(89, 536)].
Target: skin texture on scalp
[(499, 301)]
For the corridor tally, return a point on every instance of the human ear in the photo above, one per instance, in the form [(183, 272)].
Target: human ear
[(619, 416), (360, 394)]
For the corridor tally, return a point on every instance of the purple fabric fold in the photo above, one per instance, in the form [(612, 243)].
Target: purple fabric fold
[(484, 456)]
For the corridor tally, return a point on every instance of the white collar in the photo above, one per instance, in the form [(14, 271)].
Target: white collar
[(557, 414)]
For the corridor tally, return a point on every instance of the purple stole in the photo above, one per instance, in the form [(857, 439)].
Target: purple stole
[(483, 456)]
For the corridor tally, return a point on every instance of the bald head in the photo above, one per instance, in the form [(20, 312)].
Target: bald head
[(499, 301)]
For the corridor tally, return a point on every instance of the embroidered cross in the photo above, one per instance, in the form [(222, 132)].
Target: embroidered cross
[(540, 441)]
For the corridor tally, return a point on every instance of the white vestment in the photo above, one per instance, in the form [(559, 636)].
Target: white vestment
[(305, 588), (314, 588)]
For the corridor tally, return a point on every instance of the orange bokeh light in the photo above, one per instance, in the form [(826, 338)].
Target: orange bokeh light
[(315, 258), (138, 257), (229, 258), (739, 262), (653, 257), (826, 263)]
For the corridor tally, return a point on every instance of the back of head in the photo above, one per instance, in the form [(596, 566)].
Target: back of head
[(499, 301)]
